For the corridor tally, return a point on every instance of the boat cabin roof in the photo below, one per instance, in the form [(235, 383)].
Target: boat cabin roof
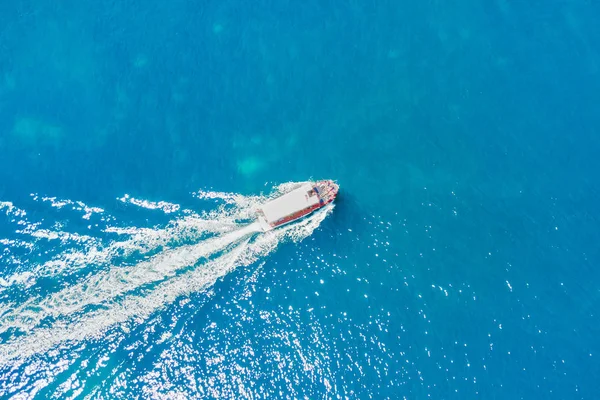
[(291, 202)]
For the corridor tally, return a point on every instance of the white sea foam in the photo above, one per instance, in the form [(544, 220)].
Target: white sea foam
[(32, 234), (10, 210)]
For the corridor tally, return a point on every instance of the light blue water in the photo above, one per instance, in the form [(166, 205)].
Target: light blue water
[(458, 262)]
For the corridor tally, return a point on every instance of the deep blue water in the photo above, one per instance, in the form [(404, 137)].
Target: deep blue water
[(460, 260)]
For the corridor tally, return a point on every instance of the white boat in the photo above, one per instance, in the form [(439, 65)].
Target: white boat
[(296, 204)]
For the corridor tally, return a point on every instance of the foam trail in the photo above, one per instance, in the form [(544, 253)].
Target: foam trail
[(81, 251), (91, 251), (117, 281), (140, 307), (141, 240)]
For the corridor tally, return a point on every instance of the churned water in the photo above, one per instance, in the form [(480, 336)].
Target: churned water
[(459, 261)]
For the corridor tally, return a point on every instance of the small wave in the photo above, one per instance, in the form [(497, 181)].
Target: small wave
[(164, 206), (75, 205)]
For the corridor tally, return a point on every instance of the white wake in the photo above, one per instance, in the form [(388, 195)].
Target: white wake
[(121, 295)]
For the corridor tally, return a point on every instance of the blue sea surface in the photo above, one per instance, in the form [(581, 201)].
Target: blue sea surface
[(459, 261)]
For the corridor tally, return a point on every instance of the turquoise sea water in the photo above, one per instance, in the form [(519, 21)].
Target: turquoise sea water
[(460, 260)]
